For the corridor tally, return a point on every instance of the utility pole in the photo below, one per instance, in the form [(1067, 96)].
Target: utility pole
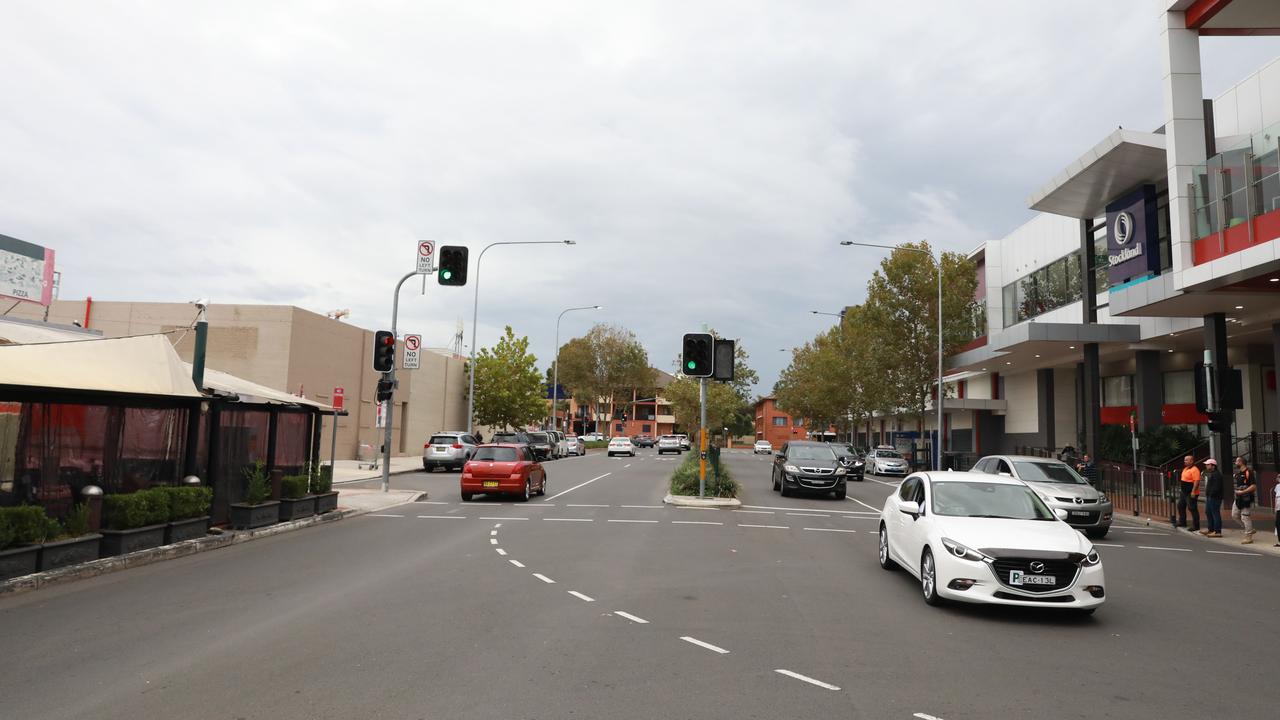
[(390, 375), (702, 439)]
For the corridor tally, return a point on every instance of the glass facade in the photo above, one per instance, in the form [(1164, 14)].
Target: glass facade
[(1237, 184), (1117, 391), (1179, 387), (1053, 286)]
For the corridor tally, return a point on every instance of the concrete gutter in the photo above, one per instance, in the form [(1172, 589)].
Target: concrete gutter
[(692, 501), (104, 566)]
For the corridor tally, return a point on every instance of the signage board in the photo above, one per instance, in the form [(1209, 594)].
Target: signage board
[(412, 352), (26, 271), (1133, 231), (339, 399), (426, 255)]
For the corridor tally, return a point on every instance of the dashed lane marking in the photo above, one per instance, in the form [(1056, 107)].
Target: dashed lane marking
[(568, 519), (1107, 545), (501, 551), (499, 518), (384, 515), (863, 504), (582, 597), (707, 645), (433, 517), (627, 465), (694, 522), (517, 563), (544, 578), (691, 507), (1229, 552), (497, 525), (808, 514), (811, 681), (926, 716), (597, 506), (575, 487), (770, 527), (830, 510), (644, 507), (756, 512), (493, 541), (633, 521), (1149, 547), (432, 502), (631, 617), (493, 532), (831, 530)]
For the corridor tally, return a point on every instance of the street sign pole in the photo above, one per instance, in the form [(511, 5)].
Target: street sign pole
[(391, 377), (1137, 474), (702, 439)]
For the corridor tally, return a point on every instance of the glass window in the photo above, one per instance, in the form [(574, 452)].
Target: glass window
[(908, 488), (1100, 263), (1206, 191), (1075, 285), (1054, 472), (1117, 391), (986, 499), (779, 421), (496, 454), (1010, 304), (1179, 387), (799, 422), (810, 452)]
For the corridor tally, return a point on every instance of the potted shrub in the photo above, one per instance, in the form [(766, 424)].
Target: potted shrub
[(295, 500), (322, 488), (188, 512), (134, 521), (258, 509), (21, 530), (73, 543)]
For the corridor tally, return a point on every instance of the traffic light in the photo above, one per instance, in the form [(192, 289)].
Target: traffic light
[(453, 265), (384, 351), (1220, 421), (723, 365), (385, 388), (698, 359), (1228, 386)]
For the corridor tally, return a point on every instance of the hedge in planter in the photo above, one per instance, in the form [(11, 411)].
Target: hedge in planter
[(134, 521), (188, 511), (295, 501), (322, 488), (256, 510), (21, 530), (72, 544)]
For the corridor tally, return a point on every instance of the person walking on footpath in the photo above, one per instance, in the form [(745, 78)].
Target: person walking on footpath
[(1190, 497), (1088, 470), (1212, 499), (1275, 503), (1246, 492)]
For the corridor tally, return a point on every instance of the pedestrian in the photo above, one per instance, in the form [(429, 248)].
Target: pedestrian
[(1275, 503), (1246, 492), (1088, 470), (1212, 499), (1189, 499)]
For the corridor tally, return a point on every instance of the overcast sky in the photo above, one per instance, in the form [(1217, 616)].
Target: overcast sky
[(706, 156)]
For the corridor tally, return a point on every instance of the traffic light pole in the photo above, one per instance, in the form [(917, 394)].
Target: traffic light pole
[(702, 439), (391, 376)]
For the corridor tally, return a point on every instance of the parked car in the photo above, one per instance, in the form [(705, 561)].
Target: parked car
[(1059, 486), (886, 461), (643, 441), (562, 444), (762, 446), (577, 446), (621, 446), (503, 469), (851, 459), (805, 465), (982, 538), (510, 437), (593, 437), (541, 445), (684, 441), (449, 450), (669, 443)]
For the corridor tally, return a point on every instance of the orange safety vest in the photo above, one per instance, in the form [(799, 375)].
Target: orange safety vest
[(1192, 475)]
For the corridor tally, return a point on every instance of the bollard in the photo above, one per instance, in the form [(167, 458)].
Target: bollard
[(93, 500)]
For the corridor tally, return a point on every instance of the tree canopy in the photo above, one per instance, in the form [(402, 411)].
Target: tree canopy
[(509, 387), (608, 360)]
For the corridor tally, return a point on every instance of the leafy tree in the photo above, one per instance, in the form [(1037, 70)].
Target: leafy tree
[(509, 388), (834, 379), (728, 403), (603, 365)]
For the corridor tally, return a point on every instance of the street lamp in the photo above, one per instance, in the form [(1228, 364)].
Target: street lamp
[(555, 374), (475, 311), (819, 312), (938, 402)]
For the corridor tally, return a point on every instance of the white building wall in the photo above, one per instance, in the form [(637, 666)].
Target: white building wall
[(978, 387), (1021, 414), (1250, 105)]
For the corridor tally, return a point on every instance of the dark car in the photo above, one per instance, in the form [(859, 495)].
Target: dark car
[(542, 445), (804, 465), (517, 437), (645, 441), (851, 459)]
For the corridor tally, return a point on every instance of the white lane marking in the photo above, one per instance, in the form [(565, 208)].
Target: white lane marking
[(808, 515), (884, 482), (493, 532), (627, 465), (631, 617), (830, 510), (831, 530), (1148, 547), (501, 551), (575, 487), (544, 578), (634, 521), (502, 518), (690, 507), (863, 504), (497, 525), (771, 527), (694, 522), (568, 519), (806, 678), (757, 512), (1107, 545), (430, 517), (861, 517), (431, 502), (572, 505), (1228, 552), (384, 515), (706, 645), (645, 507), (580, 596), (1138, 532), (926, 716), (517, 563), (493, 541)]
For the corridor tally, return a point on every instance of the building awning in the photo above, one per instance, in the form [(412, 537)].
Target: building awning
[(251, 392), (142, 365), (1124, 160)]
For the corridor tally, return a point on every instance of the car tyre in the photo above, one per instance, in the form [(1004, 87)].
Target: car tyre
[(886, 561), (466, 497), (1096, 533), (785, 491), (929, 579), (775, 483), (542, 488), (528, 486), (425, 466)]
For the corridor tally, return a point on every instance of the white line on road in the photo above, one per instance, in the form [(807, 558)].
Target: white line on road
[(694, 522), (926, 716), (517, 563), (884, 482), (690, 507), (1138, 532), (568, 519), (831, 530), (1228, 552), (497, 525), (498, 518), (575, 487), (756, 512), (1107, 545), (572, 505), (430, 517), (771, 527), (544, 578), (631, 617), (830, 510), (863, 504), (580, 596), (627, 465), (493, 541), (806, 678), (808, 515), (431, 502), (385, 515), (493, 532), (706, 645), (634, 521), (1148, 547), (644, 507)]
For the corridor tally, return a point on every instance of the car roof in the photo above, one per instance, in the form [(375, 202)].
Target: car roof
[(513, 446), (814, 443), (951, 476), (1022, 458)]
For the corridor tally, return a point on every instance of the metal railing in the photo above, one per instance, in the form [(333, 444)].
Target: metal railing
[(1140, 491)]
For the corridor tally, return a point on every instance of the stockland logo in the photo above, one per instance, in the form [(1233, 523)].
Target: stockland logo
[(1122, 231), (1123, 228)]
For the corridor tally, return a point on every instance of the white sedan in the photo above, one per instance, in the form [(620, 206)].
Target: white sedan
[(621, 446), (984, 539), (762, 446)]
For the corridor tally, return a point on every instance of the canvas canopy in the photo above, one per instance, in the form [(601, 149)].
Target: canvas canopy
[(143, 365), (252, 392)]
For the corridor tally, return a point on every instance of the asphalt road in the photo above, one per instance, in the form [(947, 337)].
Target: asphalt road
[(599, 602)]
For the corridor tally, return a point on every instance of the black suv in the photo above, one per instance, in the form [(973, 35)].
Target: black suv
[(541, 445), (812, 466), (510, 438), (851, 459)]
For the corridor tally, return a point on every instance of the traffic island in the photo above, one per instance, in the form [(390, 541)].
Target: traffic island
[(702, 502), (718, 489)]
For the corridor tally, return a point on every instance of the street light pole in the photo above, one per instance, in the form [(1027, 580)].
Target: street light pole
[(555, 373), (819, 312), (938, 403), (475, 311)]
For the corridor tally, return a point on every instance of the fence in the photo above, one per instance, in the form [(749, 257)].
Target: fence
[(1148, 491)]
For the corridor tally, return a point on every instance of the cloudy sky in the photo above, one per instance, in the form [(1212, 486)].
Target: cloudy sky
[(706, 156)]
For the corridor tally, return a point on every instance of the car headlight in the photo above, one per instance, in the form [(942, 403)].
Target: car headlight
[(858, 464), (962, 552), (791, 469), (1092, 558), (840, 471), (1102, 497)]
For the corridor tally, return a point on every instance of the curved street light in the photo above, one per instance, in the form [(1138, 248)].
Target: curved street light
[(819, 312), (555, 373), (475, 311)]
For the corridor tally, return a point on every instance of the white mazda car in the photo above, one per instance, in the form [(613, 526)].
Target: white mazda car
[(979, 538)]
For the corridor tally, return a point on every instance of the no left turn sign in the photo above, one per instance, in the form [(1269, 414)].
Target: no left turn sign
[(412, 356), (426, 253)]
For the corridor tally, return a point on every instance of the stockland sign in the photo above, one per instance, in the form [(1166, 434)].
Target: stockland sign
[(1132, 236)]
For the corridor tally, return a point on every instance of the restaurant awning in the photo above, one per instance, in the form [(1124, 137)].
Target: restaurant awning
[(251, 392), (142, 365)]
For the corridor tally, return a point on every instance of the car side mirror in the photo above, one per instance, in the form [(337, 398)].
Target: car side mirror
[(1061, 513), (1003, 473), (910, 507), (778, 454)]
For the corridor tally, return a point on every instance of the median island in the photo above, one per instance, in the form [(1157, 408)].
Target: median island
[(721, 488)]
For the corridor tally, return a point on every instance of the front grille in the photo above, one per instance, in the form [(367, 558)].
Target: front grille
[(1022, 598), (1073, 501), (817, 484), (1088, 518), (1062, 571), (817, 471)]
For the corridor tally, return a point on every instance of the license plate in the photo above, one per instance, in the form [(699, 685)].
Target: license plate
[(491, 483), (440, 448), (1017, 577), (1079, 513)]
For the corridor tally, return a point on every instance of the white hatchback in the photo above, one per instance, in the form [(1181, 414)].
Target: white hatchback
[(762, 446), (621, 446), (978, 538)]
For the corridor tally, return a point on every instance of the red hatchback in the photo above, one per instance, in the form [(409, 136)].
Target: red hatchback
[(507, 469)]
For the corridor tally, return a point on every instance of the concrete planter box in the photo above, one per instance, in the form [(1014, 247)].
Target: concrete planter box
[(70, 552), (248, 517), (188, 529), (297, 508), (121, 542), (326, 502), (19, 561)]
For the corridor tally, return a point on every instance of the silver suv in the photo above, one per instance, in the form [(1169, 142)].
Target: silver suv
[(449, 450), (1061, 487), (669, 443)]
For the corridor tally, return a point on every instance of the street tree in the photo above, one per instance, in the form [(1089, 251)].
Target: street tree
[(729, 404), (599, 367), (509, 387)]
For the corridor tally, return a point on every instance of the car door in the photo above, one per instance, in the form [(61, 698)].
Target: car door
[(918, 532), (779, 460), (902, 524)]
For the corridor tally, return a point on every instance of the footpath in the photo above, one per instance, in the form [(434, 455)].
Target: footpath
[(349, 471), (1264, 523)]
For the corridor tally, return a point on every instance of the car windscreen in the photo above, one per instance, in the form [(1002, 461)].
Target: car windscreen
[(1053, 472), (988, 500), (442, 440), (506, 438), (810, 452), (495, 454), (843, 452), (538, 437), (889, 454)]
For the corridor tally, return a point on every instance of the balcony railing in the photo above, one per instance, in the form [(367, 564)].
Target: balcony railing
[(1232, 188)]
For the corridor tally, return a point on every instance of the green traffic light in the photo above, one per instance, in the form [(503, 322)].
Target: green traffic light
[(446, 274), (692, 365)]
